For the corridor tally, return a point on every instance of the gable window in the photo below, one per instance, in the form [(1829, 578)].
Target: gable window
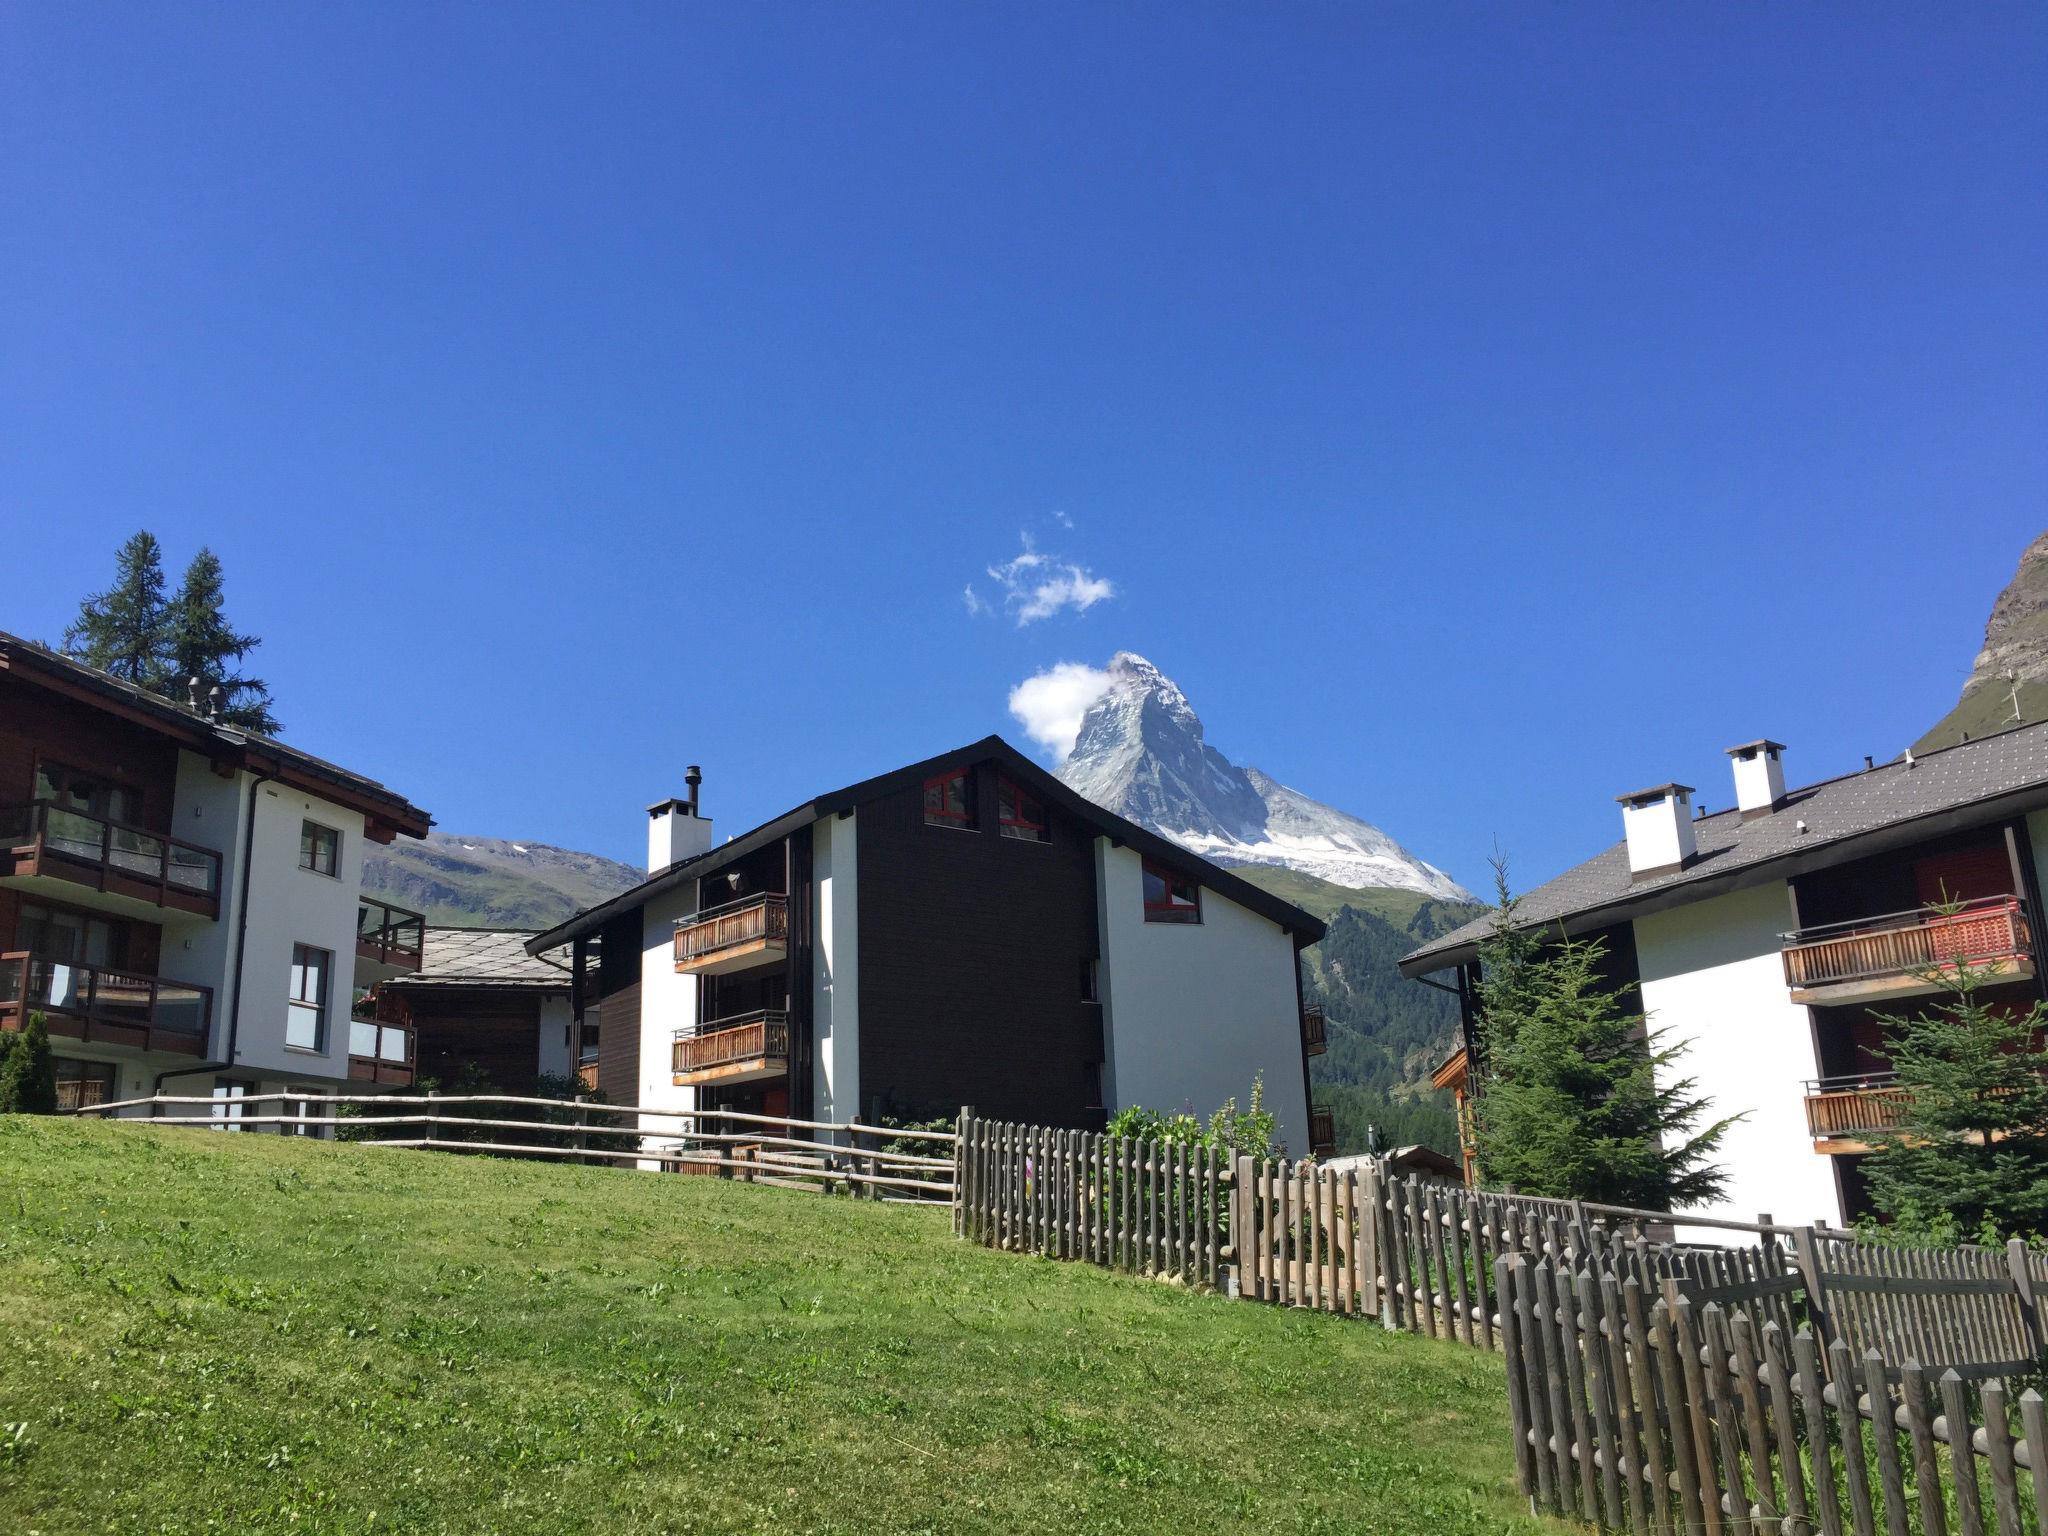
[(1171, 898), (1020, 815), (949, 800), (306, 1013), (319, 848)]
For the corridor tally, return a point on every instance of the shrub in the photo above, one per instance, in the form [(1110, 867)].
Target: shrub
[(28, 1075)]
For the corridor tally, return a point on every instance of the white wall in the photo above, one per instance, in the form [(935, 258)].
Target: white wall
[(835, 972), (668, 1002), (1193, 1012), (1712, 975)]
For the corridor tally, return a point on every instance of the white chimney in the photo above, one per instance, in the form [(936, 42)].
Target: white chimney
[(675, 831), (1658, 822), (1759, 777)]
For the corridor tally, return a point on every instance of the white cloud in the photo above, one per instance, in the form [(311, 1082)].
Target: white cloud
[(1063, 520), (1036, 586), (1050, 704), (973, 600)]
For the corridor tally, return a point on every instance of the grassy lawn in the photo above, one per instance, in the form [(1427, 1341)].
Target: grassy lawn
[(243, 1334)]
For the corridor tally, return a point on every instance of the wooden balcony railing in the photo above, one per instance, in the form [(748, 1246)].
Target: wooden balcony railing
[(738, 934), (389, 936), (1853, 1106), (379, 1052), (1905, 951), (727, 1050), (45, 838), (1322, 1130), (1314, 1035), (95, 1002)]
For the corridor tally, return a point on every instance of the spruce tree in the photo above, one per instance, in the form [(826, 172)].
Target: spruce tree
[(1971, 1142), (1569, 1101), (28, 1077), (121, 630), (200, 643)]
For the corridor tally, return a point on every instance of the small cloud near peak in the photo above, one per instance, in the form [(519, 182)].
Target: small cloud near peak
[(1051, 704)]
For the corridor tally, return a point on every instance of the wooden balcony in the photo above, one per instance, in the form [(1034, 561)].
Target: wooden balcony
[(735, 937), (145, 871), (106, 1006), (1906, 953), (390, 941), (586, 1075), (1845, 1111), (747, 1049), (1322, 1130), (380, 1052), (1314, 1036)]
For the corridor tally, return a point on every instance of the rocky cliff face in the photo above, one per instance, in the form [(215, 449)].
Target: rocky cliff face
[(1141, 753), (492, 882), (2015, 652)]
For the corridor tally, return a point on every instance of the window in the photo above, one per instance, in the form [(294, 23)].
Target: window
[(307, 1118), (84, 792), (305, 1018), (1020, 815), (53, 933), (227, 1103), (1171, 898), (319, 848), (949, 800), (82, 1084)]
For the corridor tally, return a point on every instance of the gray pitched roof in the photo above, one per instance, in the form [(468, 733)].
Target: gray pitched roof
[(486, 957), (1831, 822)]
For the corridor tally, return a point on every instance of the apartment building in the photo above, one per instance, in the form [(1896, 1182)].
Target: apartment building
[(963, 930), (183, 900), (1775, 936)]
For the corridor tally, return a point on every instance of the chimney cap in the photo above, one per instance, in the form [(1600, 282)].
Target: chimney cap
[(1655, 793), (672, 803), (1751, 748)]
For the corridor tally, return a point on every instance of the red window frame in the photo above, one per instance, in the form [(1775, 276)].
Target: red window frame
[(1025, 817), (1172, 910), (942, 815)]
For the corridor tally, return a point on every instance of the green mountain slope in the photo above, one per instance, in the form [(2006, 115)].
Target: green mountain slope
[(1386, 1034)]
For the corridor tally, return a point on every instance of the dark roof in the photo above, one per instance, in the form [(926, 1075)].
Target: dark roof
[(39, 665), (1827, 823), (1305, 927), (485, 957)]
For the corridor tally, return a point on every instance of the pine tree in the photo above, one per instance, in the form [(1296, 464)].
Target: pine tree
[(1570, 1102), (28, 1076), (121, 630), (1971, 1143), (201, 644)]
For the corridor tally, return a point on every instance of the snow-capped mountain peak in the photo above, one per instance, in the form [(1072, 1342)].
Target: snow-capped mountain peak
[(1140, 752)]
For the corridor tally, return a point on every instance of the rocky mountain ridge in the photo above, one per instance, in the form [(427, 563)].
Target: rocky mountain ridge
[(492, 882), (2015, 653)]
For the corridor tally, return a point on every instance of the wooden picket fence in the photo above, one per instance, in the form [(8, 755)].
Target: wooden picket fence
[(1646, 1412), (1149, 1207), (1968, 1308)]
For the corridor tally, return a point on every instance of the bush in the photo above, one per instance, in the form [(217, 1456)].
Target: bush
[(1248, 1134), (28, 1074)]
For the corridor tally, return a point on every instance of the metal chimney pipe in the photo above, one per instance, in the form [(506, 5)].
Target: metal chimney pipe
[(692, 777)]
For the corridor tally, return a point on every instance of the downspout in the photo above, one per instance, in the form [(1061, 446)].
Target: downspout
[(241, 946)]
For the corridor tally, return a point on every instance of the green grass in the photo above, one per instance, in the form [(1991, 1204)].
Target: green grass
[(214, 1333)]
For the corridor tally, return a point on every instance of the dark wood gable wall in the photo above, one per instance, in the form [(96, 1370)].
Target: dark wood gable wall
[(618, 1024), (972, 952)]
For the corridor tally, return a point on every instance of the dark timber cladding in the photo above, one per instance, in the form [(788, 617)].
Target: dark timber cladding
[(618, 1025), (972, 948)]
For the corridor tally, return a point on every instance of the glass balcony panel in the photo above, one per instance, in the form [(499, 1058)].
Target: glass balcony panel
[(362, 1037), (180, 1009), (122, 999), (391, 1045)]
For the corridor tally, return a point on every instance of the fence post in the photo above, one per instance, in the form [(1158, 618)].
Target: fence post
[(2023, 1284), (960, 1132), (1808, 1257), (433, 1116)]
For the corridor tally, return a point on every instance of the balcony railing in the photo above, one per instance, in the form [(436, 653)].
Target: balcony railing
[(738, 934), (45, 838), (379, 1052), (1906, 951), (389, 936), (1314, 1037), (1322, 1130), (95, 1002), (752, 1045), (1854, 1106)]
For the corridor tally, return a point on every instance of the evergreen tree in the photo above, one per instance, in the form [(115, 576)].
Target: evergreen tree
[(121, 630), (200, 643), (1569, 1101), (1971, 1144), (28, 1076)]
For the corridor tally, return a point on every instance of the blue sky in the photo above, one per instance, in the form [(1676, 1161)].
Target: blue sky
[(1480, 411)]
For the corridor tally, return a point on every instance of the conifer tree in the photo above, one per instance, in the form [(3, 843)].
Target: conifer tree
[(1971, 1143), (200, 643), (121, 630), (1576, 1098), (28, 1076)]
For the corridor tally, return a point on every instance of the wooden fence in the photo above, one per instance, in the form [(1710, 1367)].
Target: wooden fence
[(846, 1156), (1149, 1207), (1644, 1412)]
